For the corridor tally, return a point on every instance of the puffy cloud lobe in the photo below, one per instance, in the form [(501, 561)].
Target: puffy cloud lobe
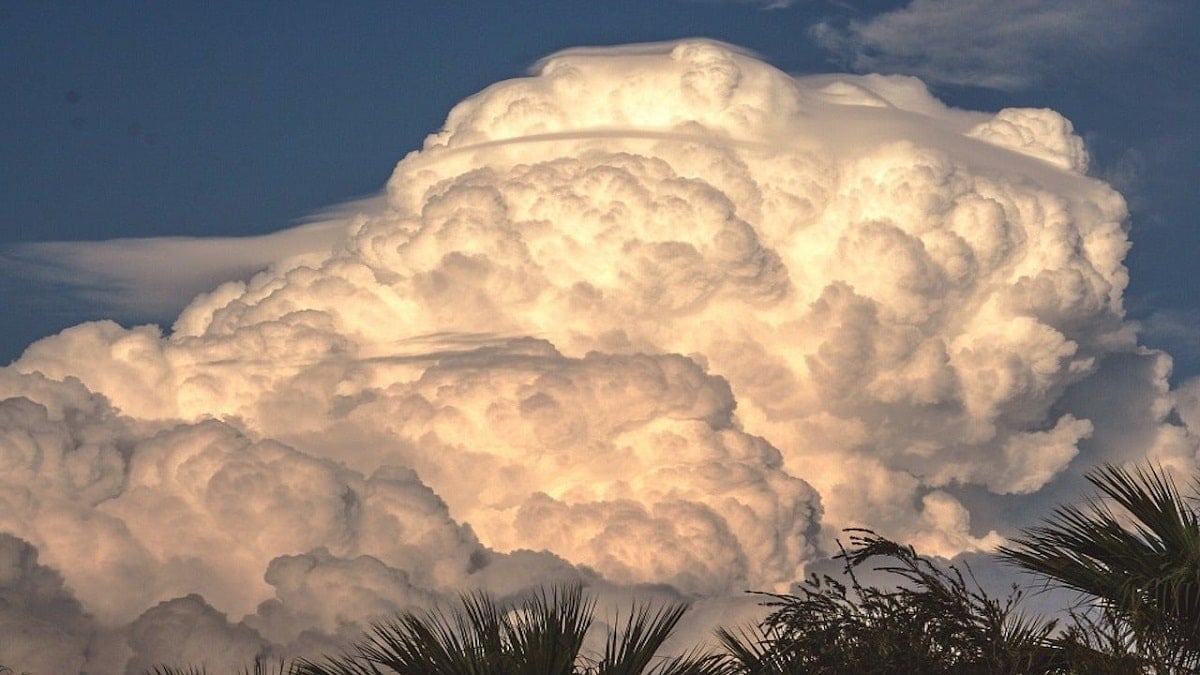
[(61, 460), (1041, 133), (45, 628), (187, 632), (532, 449), (663, 311), (44, 460), (231, 506), (210, 524), (319, 596)]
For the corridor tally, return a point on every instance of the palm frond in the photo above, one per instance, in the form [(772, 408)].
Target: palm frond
[(630, 651), (758, 650), (693, 663), (435, 643), (344, 664), (545, 634), (1142, 562)]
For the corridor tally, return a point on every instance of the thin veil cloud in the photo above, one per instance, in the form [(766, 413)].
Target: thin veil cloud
[(157, 276), (999, 44)]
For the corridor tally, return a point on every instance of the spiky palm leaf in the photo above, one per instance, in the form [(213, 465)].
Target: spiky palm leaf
[(630, 651), (634, 650), (762, 650), (337, 665), (479, 638), (1142, 563), (543, 635)]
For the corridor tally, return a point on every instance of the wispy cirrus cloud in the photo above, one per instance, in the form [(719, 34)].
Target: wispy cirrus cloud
[(764, 4), (997, 44)]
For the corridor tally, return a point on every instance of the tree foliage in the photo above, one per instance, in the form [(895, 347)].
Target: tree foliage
[(937, 620), (1134, 550)]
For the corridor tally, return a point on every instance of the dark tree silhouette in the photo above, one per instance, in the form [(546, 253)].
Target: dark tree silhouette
[(544, 635), (935, 621), (1134, 550)]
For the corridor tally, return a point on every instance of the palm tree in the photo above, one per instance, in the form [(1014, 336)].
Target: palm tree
[(1140, 565), (544, 635)]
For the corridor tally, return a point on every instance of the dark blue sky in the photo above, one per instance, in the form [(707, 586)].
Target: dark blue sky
[(147, 119)]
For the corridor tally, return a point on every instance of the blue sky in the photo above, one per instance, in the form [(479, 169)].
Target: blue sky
[(225, 119)]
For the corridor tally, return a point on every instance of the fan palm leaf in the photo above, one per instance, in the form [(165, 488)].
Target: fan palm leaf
[(544, 635), (634, 650), (1142, 562)]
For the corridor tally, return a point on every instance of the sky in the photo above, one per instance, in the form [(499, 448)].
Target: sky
[(309, 311)]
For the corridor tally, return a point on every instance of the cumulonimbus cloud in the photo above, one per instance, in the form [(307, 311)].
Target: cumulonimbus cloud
[(658, 317)]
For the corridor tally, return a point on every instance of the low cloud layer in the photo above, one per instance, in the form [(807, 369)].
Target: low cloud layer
[(659, 315)]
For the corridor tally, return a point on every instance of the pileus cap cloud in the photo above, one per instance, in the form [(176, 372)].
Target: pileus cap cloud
[(664, 313)]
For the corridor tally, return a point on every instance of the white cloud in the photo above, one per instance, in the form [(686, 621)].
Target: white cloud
[(159, 276), (660, 315), (1000, 44)]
